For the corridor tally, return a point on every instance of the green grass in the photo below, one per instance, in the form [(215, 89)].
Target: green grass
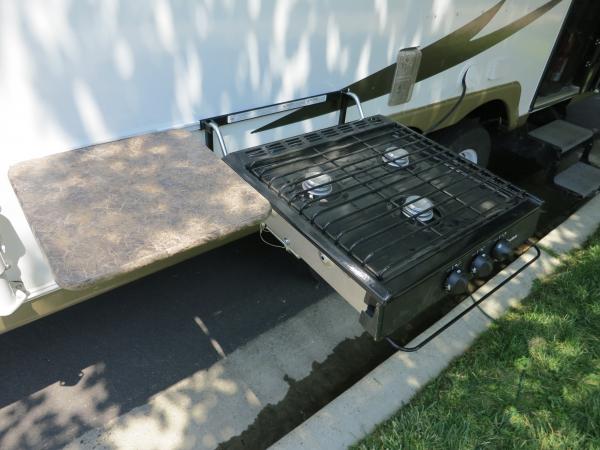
[(532, 381)]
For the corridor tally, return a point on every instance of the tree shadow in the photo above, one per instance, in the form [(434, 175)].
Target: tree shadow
[(79, 368)]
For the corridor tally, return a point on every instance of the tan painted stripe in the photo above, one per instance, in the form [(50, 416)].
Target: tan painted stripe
[(424, 117)]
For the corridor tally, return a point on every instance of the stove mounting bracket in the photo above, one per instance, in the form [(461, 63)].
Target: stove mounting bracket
[(474, 305), (339, 99)]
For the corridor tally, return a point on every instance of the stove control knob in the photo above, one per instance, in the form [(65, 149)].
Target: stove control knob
[(457, 282), (502, 250), (482, 266)]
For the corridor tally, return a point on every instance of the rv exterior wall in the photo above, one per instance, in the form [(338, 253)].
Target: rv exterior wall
[(80, 73)]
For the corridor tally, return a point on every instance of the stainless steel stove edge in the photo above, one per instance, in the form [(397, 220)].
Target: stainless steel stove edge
[(298, 245)]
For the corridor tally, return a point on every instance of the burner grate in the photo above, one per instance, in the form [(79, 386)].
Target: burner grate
[(373, 210)]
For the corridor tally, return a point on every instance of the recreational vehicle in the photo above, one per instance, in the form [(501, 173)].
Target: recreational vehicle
[(357, 133)]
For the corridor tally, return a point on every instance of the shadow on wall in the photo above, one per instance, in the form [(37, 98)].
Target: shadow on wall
[(89, 72)]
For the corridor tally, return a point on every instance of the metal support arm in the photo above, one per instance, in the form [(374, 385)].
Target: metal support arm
[(211, 125), (211, 128), (344, 105)]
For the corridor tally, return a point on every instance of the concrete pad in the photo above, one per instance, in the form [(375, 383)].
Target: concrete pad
[(574, 231), (392, 384), (216, 404)]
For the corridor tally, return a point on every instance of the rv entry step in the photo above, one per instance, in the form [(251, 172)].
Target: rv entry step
[(581, 179), (562, 136)]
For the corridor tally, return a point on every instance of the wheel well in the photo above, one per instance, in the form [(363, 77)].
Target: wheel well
[(491, 114)]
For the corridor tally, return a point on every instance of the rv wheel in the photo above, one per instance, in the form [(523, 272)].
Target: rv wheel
[(469, 139)]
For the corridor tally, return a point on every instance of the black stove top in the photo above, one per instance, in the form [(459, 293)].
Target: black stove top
[(377, 197)]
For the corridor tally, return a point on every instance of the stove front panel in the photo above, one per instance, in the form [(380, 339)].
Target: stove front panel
[(426, 293)]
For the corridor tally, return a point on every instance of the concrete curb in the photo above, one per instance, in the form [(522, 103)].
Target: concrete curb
[(392, 384)]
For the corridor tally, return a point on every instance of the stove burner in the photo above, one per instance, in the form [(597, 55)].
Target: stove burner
[(396, 157), (420, 208), (312, 184)]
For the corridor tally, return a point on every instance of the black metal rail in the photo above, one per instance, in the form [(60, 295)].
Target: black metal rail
[(474, 305), (333, 100)]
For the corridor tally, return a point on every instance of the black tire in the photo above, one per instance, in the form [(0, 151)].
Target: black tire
[(466, 135)]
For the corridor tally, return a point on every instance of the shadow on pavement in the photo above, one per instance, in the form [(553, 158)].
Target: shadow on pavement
[(81, 367)]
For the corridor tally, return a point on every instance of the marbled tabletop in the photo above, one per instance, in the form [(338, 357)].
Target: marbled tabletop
[(109, 209)]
